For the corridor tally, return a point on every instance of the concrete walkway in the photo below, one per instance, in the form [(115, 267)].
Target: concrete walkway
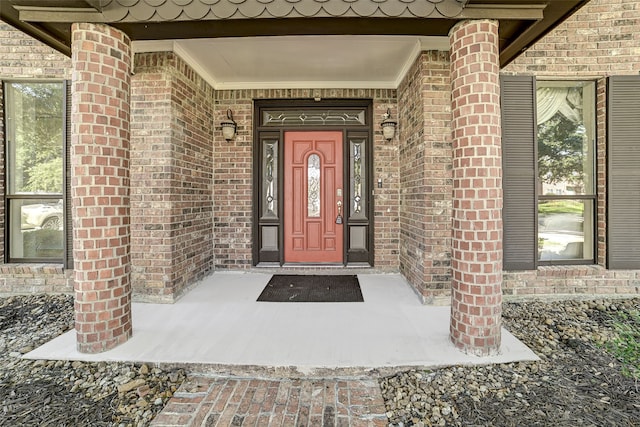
[(219, 327)]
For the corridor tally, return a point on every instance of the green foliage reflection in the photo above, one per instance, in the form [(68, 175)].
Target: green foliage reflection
[(37, 112), (561, 151)]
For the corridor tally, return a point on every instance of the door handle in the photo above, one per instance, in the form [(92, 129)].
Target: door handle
[(339, 217)]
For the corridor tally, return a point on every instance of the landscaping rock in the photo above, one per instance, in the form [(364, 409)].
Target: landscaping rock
[(577, 381), (69, 393)]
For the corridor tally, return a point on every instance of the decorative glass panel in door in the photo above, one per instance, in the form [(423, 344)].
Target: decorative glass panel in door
[(313, 186)]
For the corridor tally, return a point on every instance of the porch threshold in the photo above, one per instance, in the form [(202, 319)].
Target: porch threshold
[(220, 328)]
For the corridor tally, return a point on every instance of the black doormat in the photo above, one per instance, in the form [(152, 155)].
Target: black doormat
[(299, 288)]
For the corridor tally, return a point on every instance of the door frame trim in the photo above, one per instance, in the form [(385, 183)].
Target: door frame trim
[(275, 256)]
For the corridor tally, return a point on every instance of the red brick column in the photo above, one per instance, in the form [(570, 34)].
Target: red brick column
[(101, 59), (476, 257)]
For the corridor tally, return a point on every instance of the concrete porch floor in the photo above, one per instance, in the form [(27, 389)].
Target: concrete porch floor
[(219, 327)]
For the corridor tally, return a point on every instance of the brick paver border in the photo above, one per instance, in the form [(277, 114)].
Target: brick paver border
[(215, 401)]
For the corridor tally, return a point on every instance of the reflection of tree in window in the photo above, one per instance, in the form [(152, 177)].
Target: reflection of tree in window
[(38, 137), (561, 151)]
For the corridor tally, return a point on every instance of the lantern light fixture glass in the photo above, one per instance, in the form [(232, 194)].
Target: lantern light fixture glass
[(388, 126), (228, 126)]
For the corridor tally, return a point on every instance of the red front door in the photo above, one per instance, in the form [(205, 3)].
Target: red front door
[(313, 197)]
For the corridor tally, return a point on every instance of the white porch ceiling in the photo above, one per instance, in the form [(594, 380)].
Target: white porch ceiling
[(351, 61)]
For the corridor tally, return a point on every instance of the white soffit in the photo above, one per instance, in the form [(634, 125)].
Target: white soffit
[(293, 62)]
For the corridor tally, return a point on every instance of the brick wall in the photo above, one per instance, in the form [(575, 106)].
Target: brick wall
[(571, 280), (171, 177), (424, 99), (386, 166), (233, 175), (600, 40), (232, 182), (35, 278), (24, 58), (411, 157)]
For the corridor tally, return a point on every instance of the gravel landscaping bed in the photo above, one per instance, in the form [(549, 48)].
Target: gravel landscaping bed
[(60, 393), (577, 382)]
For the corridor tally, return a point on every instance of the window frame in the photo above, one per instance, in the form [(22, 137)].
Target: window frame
[(592, 197), (66, 259)]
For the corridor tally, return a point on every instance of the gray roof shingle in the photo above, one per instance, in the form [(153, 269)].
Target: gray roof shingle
[(181, 10)]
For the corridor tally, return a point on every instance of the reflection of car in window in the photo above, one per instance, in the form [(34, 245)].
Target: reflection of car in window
[(47, 216)]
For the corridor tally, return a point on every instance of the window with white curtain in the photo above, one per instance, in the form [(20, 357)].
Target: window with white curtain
[(566, 171)]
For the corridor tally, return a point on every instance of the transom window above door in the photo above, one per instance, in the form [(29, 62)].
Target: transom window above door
[(311, 117)]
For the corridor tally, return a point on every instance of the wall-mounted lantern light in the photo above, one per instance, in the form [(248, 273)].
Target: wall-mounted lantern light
[(388, 126), (228, 126)]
